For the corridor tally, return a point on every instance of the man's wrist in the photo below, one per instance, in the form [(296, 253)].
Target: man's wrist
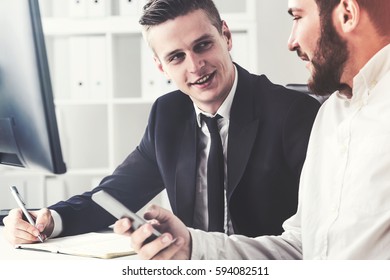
[(57, 223), (195, 248)]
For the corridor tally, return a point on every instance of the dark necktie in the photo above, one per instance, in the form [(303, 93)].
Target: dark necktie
[(215, 177)]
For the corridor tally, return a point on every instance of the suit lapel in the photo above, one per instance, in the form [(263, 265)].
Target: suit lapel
[(186, 172), (242, 130), (241, 140)]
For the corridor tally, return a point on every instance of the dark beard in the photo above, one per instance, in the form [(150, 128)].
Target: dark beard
[(328, 62)]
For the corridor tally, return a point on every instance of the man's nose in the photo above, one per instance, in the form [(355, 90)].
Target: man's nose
[(194, 63), (292, 43)]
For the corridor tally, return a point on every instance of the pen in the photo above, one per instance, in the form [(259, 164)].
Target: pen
[(21, 204)]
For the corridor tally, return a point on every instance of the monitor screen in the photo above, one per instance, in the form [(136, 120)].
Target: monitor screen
[(29, 135)]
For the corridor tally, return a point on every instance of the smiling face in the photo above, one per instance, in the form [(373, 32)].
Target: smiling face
[(191, 52), (315, 40)]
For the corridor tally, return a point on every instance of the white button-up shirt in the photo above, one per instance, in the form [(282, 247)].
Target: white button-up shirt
[(344, 197)]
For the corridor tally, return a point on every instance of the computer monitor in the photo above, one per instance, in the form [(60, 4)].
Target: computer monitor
[(29, 134)]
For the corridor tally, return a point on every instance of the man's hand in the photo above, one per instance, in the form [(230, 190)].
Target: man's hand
[(174, 243), (19, 231)]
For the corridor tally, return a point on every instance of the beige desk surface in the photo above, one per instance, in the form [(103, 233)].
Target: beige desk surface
[(8, 252)]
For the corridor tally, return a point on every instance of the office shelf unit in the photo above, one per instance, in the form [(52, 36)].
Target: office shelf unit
[(105, 81)]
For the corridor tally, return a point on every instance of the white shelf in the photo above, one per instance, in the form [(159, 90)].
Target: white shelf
[(90, 26)]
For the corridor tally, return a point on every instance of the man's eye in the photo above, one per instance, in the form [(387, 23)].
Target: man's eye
[(177, 57), (203, 46)]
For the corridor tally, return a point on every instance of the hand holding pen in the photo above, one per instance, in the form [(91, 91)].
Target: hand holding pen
[(22, 205)]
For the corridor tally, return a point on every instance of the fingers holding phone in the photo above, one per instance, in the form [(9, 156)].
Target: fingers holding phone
[(146, 236), (120, 211), (162, 247)]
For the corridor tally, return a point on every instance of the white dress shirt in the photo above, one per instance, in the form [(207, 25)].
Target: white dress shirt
[(344, 196)]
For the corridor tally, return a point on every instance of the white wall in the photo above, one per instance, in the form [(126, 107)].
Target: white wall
[(275, 60)]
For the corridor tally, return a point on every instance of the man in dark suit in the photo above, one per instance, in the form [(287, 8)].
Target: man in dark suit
[(264, 130)]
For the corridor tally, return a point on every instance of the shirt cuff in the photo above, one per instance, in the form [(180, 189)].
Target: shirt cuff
[(57, 223), (197, 247)]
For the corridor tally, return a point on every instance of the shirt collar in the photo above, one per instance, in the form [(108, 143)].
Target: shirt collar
[(369, 76), (224, 109)]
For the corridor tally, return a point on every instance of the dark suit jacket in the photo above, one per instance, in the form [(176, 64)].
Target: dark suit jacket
[(268, 136)]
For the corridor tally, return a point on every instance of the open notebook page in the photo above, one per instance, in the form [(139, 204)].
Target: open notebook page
[(97, 245)]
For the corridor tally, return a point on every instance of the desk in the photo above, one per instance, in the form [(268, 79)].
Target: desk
[(8, 252)]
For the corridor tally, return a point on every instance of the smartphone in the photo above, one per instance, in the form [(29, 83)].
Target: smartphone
[(119, 211)]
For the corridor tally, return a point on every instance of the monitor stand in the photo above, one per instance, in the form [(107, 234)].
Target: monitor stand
[(5, 212)]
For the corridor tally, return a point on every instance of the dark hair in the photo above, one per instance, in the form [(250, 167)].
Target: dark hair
[(156, 12), (377, 10)]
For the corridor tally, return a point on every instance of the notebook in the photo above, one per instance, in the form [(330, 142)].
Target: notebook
[(104, 245)]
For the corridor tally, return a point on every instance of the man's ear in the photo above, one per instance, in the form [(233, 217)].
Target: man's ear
[(160, 67), (227, 34), (347, 15)]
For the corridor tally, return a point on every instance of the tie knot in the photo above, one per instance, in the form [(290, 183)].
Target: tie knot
[(211, 123)]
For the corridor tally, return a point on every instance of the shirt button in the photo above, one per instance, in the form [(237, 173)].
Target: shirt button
[(343, 149), (373, 84)]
